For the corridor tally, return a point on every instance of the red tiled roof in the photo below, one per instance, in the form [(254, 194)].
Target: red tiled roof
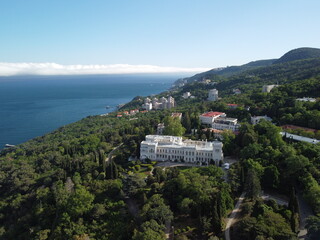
[(212, 114), (294, 127)]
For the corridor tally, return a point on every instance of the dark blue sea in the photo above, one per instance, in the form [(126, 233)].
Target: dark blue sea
[(32, 106)]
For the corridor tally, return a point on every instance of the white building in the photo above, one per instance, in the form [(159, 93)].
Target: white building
[(213, 95), (171, 148), (219, 120), (268, 88), (171, 103), (156, 104), (147, 100), (147, 106), (299, 138), (256, 119), (306, 99), (222, 123), (162, 103), (209, 117), (186, 95)]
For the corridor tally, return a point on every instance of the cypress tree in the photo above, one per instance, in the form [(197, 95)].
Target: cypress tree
[(294, 222), (216, 216), (242, 178), (186, 122), (291, 200)]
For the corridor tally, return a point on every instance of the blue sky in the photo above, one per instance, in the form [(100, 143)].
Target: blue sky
[(171, 33)]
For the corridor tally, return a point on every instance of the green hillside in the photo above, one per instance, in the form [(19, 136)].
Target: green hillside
[(293, 55), (226, 72), (77, 182), (299, 54), (281, 73)]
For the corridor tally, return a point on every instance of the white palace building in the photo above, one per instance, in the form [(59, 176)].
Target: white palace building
[(171, 148)]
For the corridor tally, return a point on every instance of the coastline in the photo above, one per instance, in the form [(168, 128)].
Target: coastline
[(40, 109)]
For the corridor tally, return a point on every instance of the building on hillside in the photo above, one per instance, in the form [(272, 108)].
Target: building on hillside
[(232, 106), (156, 104), (236, 91), (176, 115), (171, 102), (209, 117), (147, 100), (217, 134), (160, 128), (299, 138), (306, 99), (162, 103), (213, 95), (256, 119), (222, 123), (171, 148), (219, 120), (154, 101), (147, 106), (268, 88), (134, 111), (205, 81), (186, 95)]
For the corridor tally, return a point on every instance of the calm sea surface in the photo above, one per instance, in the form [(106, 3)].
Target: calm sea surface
[(33, 106)]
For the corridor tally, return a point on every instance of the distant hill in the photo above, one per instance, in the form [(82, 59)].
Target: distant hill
[(299, 54), (227, 71), (282, 73), (293, 55)]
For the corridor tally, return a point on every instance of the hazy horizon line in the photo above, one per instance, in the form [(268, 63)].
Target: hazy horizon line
[(50, 69)]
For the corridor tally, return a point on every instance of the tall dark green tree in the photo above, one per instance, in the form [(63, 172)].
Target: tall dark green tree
[(186, 122), (252, 185)]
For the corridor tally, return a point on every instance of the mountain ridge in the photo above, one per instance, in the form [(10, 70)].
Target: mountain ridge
[(292, 55)]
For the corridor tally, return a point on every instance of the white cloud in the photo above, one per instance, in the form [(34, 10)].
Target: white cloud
[(11, 69)]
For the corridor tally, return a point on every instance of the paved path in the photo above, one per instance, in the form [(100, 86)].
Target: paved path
[(305, 212), (232, 216), (110, 153), (168, 230), (278, 200), (175, 164), (133, 208)]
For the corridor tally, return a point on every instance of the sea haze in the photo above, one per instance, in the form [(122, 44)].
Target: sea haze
[(33, 106)]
